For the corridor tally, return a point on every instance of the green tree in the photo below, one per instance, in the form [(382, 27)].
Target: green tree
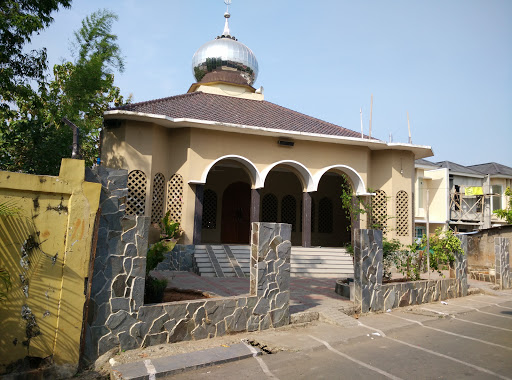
[(506, 213), (36, 139), (19, 20)]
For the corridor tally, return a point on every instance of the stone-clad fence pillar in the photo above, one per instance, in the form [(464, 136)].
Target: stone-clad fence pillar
[(370, 294), (368, 270), (502, 252)]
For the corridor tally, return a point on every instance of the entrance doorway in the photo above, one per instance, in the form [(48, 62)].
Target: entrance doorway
[(236, 208)]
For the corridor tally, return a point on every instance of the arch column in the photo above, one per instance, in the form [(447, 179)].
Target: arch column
[(255, 205), (198, 213), (306, 219)]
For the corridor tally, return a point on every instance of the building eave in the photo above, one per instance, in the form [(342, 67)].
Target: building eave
[(419, 151)]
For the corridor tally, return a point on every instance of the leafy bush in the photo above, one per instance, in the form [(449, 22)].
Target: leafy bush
[(155, 255), (154, 291), (170, 229), (389, 249)]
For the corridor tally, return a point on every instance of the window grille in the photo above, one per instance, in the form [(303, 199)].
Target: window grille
[(157, 203), (136, 202), (402, 213), (325, 216), (380, 211), (269, 208), (175, 197), (209, 210), (289, 211)]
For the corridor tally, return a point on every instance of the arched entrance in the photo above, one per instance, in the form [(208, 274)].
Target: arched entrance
[(226, 204), (281, 199), (330, 225), (235, 225)]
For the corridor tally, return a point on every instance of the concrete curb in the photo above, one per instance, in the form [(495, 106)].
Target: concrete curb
[(150, 369)]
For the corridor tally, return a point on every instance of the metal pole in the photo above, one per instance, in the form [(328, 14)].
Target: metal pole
[(75, 152), (428, 234)]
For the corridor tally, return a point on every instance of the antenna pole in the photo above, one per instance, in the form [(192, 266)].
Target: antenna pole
[(361, 113), (371, 110), (409, 127)]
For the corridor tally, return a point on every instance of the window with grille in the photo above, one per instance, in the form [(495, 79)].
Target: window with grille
[(325, 215), (136, 202), (269, 208), (157, 203), (380, 210), (402, 213), (175, 197), (289, 211), (496, 198), (209, 210)]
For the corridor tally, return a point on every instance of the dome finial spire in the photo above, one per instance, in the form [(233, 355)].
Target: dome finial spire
[(226, 31)]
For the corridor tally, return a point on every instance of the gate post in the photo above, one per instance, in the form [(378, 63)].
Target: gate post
[(368, 270)]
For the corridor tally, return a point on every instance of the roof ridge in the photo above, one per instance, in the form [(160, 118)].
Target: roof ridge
[(156, 100)]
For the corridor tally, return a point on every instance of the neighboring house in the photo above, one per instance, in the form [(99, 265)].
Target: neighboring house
[(500, 177), (460, 197), (221, 157)]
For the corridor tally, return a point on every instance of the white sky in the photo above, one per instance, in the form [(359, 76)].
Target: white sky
[(447, 62)]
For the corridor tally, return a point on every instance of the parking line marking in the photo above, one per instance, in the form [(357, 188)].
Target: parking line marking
[(441, 355), (484, 312), (455, 334), (330, 348), (494, 304), (260, 361), (465, 320)]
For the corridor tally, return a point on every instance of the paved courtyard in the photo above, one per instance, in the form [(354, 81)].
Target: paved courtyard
[(307, 294)]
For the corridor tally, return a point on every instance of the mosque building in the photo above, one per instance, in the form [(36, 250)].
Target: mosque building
[(220, 157)]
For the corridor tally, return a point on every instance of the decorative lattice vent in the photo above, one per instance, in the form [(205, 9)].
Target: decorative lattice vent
[(402, 213), (157, 203), (136, 202), (269, 208), (175, 197), (289, 211), (325, 215), (380, 211), (209, 210)]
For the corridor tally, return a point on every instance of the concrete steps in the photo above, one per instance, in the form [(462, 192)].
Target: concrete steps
[(234, 261), (321, 262)]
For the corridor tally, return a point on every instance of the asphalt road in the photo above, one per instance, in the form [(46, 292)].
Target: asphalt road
[(464, 340)]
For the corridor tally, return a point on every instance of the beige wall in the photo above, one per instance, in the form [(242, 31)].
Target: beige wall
[(392, 171), (189, 152)]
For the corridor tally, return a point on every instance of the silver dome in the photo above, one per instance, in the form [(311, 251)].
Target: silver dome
[(225, 54)]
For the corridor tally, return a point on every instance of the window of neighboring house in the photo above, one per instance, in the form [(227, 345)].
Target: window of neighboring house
[(419, 231), (496, 199), (456, 198)]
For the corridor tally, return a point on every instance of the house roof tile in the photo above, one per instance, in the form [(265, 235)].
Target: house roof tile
[(226, 109), (492, 168)]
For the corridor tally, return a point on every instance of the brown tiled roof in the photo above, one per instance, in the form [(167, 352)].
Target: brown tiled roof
[(225, 109)]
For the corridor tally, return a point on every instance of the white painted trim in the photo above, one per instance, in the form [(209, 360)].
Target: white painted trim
[(258, 183), (354, 176), (307, 179), (420, 151)]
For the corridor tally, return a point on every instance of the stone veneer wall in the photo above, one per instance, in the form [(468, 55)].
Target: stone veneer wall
[(181, 258), (117, 290), (117, 315), (502, 252), (372, 295), (368, 270)]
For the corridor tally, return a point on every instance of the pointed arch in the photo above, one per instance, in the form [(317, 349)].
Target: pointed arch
[(257, 182), (355, 178)]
